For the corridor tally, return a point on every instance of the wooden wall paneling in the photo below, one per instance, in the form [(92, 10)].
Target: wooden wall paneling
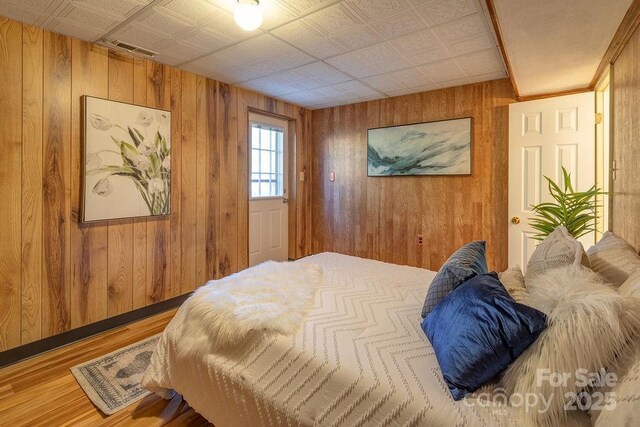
[(380, 217), (32, 73), (202, 184), (243, 103), (57, 274), (89, 255), (56, 173), (120, 232), (227, 133), (625, 188), (10, 182), (158, 229), (173, 225), (189, 189), (212, 211), (139, 225)]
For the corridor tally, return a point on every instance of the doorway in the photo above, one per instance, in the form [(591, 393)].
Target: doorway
[(268, 181), (545, 136)]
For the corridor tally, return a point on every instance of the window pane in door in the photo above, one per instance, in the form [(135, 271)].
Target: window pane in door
[(267, 161)]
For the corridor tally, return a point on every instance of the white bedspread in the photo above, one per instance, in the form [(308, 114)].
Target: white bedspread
[(359, 358)]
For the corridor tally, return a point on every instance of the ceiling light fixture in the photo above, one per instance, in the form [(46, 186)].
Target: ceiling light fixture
[(248, 14)]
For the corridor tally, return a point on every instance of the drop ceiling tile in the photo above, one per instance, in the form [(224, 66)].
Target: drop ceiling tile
[(383, 57), (87, 17), (352, 87), (332, 20), (398, 25), (410, 77), (304, 6), (141, 36), (121, 8), (460, 29), (471, 45), (274, 14), (356, 37), (224, 24), (34, 12), (181, 51), (192, 11), (382, 83), (442, 71), (455, 82), (483, 62), (353, 65), (72, 28), (320, 72), (428, 56), (488, 77), (416, 89), (416, 42), (270, 85), (309, 97), (163, 22), (442, 11), (306, 38), (20, 13), (369, 10), (205, 40)]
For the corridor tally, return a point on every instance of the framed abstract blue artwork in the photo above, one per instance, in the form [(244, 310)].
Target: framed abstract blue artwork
[(431, 148)]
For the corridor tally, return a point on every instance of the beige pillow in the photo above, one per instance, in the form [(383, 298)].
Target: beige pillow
[(613, 258), (631, 286), (559, 249), (513, 281)]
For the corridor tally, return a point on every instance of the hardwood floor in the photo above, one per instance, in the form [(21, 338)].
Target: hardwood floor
[(42, 390)]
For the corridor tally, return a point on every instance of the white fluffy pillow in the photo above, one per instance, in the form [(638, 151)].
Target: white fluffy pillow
[(613, 258), (513, 281), (589, 326)]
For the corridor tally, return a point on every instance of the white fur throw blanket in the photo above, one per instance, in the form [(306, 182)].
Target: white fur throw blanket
[(590, 327), (272, 297)]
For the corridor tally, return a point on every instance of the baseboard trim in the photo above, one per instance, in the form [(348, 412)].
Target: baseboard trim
[(35, 348)]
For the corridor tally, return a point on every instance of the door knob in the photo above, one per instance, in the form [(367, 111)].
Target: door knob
[(285, 200), (515, 220)]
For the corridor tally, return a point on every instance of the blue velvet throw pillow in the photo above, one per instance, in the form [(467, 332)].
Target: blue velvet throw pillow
[(465, 263), (478, 330)]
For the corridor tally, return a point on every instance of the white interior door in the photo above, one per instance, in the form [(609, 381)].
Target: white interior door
[(268, 204), (544, 136)]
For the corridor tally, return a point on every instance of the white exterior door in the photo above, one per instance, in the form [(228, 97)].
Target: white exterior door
[(268, 204), (544, 136)]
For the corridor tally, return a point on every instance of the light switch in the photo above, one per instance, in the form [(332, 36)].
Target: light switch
[(332, 176), (302, 176)]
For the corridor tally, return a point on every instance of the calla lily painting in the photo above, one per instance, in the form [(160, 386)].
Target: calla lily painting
[(127, 161)]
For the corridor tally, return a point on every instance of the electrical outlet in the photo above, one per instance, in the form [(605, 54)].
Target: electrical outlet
[(420, 240)]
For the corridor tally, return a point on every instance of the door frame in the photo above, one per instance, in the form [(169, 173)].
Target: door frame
[(290, 159)]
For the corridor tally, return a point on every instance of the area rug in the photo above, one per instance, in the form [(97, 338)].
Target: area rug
[(112, 381)]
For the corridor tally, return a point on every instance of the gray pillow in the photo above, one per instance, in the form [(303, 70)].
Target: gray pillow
[(613, 258), (559, 249), (468, 261)]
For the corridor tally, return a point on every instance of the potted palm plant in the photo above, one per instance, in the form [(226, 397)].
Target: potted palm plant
[(576, 210)]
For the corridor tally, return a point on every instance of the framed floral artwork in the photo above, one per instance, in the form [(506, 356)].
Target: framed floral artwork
[(127, 161)]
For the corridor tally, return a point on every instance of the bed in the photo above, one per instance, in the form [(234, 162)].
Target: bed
[(359, 358)]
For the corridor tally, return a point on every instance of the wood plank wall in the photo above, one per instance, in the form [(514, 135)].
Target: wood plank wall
[(379, 218), (56, 275), (625, 104)]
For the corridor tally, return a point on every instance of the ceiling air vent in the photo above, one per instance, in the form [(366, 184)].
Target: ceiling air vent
[(128, 47)]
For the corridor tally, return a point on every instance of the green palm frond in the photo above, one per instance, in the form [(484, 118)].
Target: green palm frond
[(576, 210)]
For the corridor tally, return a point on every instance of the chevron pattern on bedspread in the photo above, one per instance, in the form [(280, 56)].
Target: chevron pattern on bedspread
[(360, 358)]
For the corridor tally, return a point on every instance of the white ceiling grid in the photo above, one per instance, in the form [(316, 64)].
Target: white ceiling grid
[(315, 53)]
